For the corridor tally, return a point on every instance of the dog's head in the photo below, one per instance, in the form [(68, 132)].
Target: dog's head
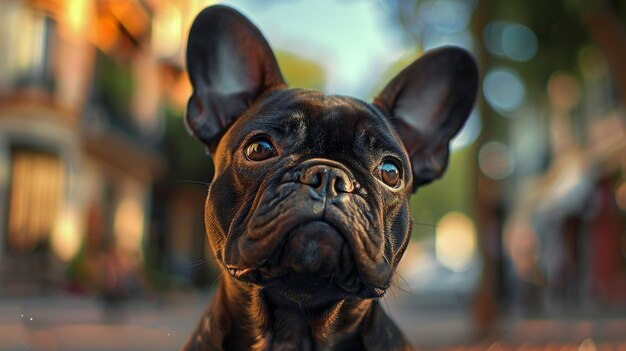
[(310, 198)]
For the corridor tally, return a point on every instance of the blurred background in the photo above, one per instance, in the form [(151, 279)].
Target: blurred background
[(521, 246)]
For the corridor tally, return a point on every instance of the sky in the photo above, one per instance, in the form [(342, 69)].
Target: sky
[(353, 40)]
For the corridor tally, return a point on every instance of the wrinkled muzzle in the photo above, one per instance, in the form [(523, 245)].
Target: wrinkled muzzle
[(313, 230)]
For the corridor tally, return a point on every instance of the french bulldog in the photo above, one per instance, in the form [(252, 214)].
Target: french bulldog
[(308, 210)]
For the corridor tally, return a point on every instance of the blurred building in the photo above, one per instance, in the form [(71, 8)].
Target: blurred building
[(552, 163), (546, 170), (85, 90), (101, 187)]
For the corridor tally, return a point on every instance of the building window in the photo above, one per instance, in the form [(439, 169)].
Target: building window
[(35, 194), (25, 42)]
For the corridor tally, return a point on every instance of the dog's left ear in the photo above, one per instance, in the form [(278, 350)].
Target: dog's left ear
[(428, 103), (230, 65)]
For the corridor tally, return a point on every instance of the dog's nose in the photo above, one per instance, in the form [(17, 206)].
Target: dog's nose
[(326, 180)]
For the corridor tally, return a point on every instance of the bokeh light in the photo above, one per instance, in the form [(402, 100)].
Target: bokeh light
[(166, 31), (450, 16), (445, 22), (129, 223), (511, 40), (496, 160), (504, 90), (455, 241), (563, 91), (76, 15), (67, 234)]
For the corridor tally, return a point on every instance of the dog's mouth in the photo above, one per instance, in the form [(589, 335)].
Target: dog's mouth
[(310, 254), (311, 266)]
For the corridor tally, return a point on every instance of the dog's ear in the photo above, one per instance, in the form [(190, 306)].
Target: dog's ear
[(428, 103), (230, 65)]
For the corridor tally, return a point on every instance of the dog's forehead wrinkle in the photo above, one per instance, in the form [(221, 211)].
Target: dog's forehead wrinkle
[(291, 123), (277, 119), (373, 136)]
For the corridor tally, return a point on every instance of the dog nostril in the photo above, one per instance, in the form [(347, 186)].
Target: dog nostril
[(325, 179), (316, 179), (311, 177), (341, 186)]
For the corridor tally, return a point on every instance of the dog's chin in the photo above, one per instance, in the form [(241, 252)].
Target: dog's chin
[(304, 292), (310, 271), (305, 298), (316, 295)]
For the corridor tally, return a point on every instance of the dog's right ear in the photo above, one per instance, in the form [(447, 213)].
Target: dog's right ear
[(230, 65)]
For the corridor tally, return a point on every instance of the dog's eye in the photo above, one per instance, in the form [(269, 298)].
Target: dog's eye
[(259, 150), (389, 173)]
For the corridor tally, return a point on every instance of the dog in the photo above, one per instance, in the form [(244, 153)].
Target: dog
[(308, 210)]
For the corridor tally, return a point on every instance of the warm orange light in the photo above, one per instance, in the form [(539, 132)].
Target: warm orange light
[(131, 15), (563, 91), (75, 10), (66, 237), (76, 17), (167, 31), (129, 223), (181, 91), (455, 241), (105, 33)]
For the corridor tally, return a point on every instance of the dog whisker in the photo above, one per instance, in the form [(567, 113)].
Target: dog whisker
[(198, 265), (426, 224), (386, 302), (395, 297), (197, 268), (406, 290), (200, 262), (195, 182), (212, 285)]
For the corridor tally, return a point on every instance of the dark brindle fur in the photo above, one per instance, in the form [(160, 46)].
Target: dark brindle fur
[(308, 236)]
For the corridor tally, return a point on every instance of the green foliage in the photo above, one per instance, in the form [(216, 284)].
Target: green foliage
[(115, 84), (559, 29), (300, 72), (453, 192), (187, 157)]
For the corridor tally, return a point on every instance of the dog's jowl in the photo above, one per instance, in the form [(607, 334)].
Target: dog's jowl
[(308, 211)]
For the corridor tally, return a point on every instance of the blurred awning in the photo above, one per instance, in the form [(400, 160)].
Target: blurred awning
[(118, 150)]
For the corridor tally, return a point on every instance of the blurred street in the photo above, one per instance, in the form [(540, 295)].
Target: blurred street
[(520, 246), (79, 323), (86, 324)]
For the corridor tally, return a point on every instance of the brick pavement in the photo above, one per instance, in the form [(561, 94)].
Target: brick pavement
[(78, 323)]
